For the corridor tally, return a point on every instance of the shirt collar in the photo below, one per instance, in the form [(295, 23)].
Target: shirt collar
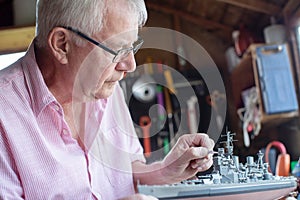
[(38, 90)]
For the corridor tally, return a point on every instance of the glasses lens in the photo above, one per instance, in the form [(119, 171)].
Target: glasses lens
[(137, 45), (123, 53)]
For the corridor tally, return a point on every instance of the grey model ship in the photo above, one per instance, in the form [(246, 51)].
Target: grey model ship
[(229, 179)]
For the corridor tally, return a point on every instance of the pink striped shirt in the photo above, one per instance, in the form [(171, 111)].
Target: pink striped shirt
[(39, 159)]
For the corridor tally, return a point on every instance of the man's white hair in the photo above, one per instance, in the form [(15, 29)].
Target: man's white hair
[(84, 15)]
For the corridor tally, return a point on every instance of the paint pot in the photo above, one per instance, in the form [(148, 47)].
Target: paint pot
[(275, 33)]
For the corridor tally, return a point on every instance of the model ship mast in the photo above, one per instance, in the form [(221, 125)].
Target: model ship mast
[(229, 142), (230, 170)]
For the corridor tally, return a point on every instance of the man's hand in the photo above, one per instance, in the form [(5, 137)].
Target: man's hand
[(139, 197), (188, 156)]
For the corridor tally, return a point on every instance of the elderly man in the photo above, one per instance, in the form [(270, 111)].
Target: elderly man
[(66, 132)]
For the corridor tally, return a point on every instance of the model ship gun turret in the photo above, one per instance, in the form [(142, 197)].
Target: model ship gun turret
[(228, 169)]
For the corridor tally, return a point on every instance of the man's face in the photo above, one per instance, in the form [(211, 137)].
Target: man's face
[(98, 75)]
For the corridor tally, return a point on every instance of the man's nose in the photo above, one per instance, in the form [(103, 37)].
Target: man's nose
[(128, 64)]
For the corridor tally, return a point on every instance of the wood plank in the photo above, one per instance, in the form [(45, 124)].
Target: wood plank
[(207, 24), (255, 5), (290, 7), (296, 18), (16, 39)]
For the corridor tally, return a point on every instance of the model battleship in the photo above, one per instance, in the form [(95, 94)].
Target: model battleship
[(229, 179)]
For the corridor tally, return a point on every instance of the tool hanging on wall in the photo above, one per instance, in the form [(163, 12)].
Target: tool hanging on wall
[(163, 141), (215, 99), (169, 81), (160, 108), (170, 116), (192, 118), (162, 119), (250, 115), (145, 123), (180, 50), (168, 102), (160, 96), (283, 159), (144, 88)]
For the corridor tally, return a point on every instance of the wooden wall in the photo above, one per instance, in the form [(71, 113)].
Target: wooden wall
[(215, 46)]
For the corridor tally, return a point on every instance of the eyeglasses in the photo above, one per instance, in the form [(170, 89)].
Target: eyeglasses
[(120, 54)]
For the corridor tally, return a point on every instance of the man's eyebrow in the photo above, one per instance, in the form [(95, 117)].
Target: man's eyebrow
[(124, 43)]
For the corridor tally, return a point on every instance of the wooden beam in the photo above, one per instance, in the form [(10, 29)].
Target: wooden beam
[(255, 5), (197, 20), (16, 39), (296, 18), (290, 7)]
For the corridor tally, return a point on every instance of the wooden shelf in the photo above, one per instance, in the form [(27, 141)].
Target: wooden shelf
[(16, 39)]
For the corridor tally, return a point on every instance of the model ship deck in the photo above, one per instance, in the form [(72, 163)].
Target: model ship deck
[(230, 179)]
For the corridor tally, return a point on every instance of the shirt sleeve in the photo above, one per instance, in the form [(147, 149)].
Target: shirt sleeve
[(10, 187)]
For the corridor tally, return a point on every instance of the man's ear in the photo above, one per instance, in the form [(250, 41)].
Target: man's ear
[(58, 40)]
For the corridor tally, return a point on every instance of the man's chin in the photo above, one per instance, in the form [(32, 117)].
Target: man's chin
[(104, 93)]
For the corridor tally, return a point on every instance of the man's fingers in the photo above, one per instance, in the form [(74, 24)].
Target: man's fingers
[(201, 161), (198, 139), (206, 141), (194, 153), (205, 166), (197, 163)]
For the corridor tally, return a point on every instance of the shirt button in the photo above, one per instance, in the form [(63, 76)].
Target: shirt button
[(65, 132), (56, 107)]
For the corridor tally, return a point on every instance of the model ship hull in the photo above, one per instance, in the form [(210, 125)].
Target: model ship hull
[(262, 190)]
